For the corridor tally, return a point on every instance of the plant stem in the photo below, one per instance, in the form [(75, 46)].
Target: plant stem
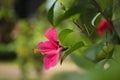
[(78, 25), (99, 9)]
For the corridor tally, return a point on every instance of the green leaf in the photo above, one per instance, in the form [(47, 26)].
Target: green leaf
[(100, 64), (116, 54), (50, 13), (116, 10), (116, 16), (96, 19), (82, 62), (66, 75), (75, 17), (117, 27), (82, 7), (104, 3), (95, 52), (106, 7), (87, 16), (72, 11), (73, 48), (63, 34), (74, 37), (108, 11)]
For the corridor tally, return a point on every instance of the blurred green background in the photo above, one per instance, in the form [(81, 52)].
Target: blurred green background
[(22, 24), (22, 27)]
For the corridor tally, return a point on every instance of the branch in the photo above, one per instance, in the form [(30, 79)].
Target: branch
[(99, 9)]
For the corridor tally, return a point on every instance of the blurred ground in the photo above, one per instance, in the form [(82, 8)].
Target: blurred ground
[(9, 70), (12, 72)]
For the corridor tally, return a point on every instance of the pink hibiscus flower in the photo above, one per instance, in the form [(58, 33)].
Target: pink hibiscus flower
[(51, 48)]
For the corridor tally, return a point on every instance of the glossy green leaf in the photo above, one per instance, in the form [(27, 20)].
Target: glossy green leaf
[(73, 48), (50, 13), (72, 11), (104, 3), (82, 62), (66, 75), (63, 34), (116, 54), (96, 19), (106, 7), (117, 27), (73, 38), (100, 64), (87, 15), (108, 12), (82, 7), (75, 17), (116, 10), (116, 16), (95, 52)]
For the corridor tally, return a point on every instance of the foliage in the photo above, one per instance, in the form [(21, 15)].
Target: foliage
[(89, 49)]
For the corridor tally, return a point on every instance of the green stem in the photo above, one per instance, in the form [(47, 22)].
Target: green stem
[(87, 30), (99, 9), (77, 25)]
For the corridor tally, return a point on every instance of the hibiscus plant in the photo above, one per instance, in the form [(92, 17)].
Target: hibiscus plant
[(94, 41)]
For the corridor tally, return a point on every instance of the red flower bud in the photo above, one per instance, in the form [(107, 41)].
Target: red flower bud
[(103, 26)]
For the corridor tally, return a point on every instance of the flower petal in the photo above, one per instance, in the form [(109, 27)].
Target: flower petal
[(47, 47), (50, 61), (52, 34)]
